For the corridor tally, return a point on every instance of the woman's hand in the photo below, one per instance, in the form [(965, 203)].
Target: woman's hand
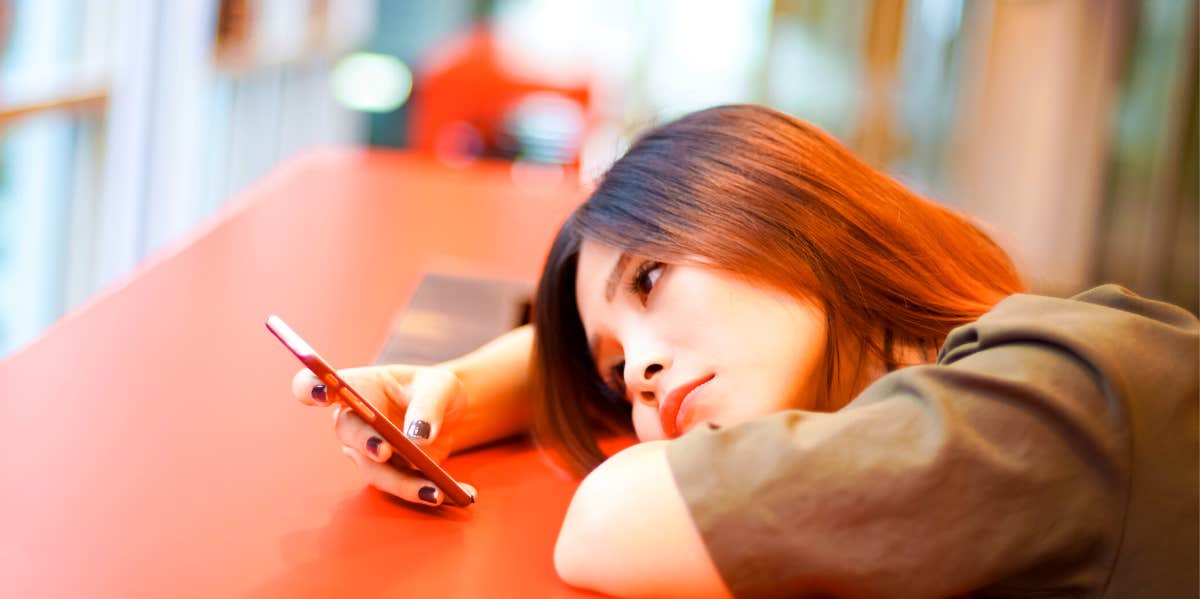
[(429, 400)]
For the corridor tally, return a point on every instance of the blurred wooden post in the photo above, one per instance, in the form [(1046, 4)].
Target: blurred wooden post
[(1037, 93), (875, 138), (1165, 206)]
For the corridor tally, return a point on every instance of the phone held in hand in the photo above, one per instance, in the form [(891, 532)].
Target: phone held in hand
[(406, 452)]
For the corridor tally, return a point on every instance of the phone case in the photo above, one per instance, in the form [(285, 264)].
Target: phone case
[(407, 454)]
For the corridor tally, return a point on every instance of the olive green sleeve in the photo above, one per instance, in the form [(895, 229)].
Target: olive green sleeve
[(1005, 466)]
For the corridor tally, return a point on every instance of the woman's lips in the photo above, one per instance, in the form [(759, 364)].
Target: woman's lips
[(672, 406)]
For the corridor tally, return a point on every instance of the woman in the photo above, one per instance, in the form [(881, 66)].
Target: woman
[(839, 389)]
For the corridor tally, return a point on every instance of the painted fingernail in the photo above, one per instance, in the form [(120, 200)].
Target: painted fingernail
[(419, 429), (373, 445), (318, 393), (428, 494)]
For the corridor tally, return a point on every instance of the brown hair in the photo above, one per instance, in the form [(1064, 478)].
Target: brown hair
[(764, 196)]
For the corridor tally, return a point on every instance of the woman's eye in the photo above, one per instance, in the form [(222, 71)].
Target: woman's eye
[(645, 277), (616, 378)]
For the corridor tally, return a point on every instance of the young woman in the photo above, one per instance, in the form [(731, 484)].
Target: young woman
[(839, 387)]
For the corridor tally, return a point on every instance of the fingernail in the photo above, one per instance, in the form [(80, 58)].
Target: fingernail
[(373, 445), (318, 393), (428, 494), (419, 429)]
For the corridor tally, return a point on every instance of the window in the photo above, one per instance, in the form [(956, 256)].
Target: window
[(123, 123)]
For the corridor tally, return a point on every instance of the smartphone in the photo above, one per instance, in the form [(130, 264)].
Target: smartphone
[(406, 452)]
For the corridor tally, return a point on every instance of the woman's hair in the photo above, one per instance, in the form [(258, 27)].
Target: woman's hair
[(763, 196)]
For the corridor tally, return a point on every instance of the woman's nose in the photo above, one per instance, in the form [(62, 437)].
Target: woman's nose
[(644, 375), (651, 370)]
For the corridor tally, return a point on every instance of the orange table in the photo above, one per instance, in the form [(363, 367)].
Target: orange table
[(150, 444)]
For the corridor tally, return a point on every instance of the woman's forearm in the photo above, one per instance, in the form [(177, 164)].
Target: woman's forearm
[(496, 378)]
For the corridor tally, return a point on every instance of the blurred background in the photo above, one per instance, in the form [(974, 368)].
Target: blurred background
[(1067, 127)]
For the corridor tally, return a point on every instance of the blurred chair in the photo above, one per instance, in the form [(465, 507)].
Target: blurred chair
[(472, 99)]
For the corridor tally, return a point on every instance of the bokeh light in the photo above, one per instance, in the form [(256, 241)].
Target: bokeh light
[(370, 82)]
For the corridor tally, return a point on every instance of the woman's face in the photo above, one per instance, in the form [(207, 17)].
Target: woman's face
[(687, 344)]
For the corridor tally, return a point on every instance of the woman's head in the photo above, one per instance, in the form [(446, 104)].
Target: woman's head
[(789, 269), (661, 333)]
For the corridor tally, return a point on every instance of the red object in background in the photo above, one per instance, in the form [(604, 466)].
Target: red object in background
[(463, 94), (150, 445)]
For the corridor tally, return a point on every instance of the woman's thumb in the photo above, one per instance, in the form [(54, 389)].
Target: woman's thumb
[(431, 393)]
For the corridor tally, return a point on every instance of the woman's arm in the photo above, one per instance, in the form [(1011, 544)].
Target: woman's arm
[(496, 378), (628, 532)]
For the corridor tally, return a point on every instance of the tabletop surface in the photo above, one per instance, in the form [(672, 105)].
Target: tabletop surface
[(150, 443)]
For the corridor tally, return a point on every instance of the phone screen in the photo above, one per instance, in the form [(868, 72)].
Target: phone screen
[(406, 452)]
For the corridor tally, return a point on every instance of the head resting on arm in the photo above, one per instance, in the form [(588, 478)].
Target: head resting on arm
[(764, 198)]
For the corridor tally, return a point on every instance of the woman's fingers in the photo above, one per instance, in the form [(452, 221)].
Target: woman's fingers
[(308, 389), (424, 396), (403, 485), (380, 385), (356, 434), (427, 396)]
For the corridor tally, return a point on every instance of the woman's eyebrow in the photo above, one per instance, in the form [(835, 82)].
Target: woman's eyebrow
[(614, 277)]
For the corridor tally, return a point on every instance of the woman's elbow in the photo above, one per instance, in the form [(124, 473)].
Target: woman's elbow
[(573, 561), (629, 533), (569, 562)]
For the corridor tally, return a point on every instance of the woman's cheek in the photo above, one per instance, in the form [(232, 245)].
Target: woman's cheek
[(646, 423)]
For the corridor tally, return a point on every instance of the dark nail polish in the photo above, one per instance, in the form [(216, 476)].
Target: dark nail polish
[(428, 494), (419, 429), (373, 445), (318, 393)]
